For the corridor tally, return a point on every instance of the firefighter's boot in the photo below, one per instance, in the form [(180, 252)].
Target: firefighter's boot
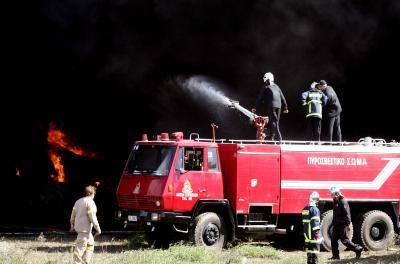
[(309, 258), (358, 251), (313, 258)]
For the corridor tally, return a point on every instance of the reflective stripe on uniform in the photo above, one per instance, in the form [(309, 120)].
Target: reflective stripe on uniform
[(313, 114), (315, 228), (312, 251), (319, 240), (314, 101), (315, 218), (306, 220), (312, 241), (305, 212)]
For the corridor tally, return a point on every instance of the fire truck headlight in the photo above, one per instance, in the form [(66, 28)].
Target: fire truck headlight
[(154, 217), (158, 203), (119, 214)]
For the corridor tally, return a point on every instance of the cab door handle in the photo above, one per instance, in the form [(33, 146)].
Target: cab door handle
[(202, 190)]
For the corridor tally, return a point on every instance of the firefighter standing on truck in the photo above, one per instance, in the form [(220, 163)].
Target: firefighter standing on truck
[(269, 102), (314, 100), (312, 228), (341, 223), (331, 112), (83, 219)]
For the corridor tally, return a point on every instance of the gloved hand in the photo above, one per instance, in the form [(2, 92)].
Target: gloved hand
[(317, 235)]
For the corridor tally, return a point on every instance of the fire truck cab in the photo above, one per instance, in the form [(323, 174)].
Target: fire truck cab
[(208, 191)]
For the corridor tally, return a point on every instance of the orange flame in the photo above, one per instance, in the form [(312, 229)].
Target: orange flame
[(58, 140), (58, 166)]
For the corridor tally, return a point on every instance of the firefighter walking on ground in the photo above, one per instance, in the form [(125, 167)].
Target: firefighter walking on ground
[(83, 219), (314, 100), (341, 223), (312, 228)]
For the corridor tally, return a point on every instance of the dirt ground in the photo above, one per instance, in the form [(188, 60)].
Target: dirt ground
[(59, 247)]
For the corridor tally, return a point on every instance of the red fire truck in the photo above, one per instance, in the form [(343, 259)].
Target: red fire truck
[(212, 190)]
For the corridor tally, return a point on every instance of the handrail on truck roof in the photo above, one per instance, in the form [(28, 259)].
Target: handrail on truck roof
[(222, 140)]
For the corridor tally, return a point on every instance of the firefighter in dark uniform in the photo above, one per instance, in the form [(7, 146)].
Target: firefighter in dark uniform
[(312, 228), (331, 112), (314, 100), (269, 103), (341, 224)]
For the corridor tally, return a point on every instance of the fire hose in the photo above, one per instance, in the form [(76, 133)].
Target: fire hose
[(258, 121)]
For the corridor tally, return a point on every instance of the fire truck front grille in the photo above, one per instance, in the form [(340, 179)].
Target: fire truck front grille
[(136, 201)]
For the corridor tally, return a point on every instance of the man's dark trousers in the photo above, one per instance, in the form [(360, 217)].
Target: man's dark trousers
[(339, 233), (333, 128)]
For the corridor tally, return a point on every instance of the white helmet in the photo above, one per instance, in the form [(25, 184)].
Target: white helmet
[(335, 191), (313, 85), (314, 197), (268, 76)]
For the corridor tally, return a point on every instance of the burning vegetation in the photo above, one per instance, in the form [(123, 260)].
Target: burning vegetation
[(59, 141)]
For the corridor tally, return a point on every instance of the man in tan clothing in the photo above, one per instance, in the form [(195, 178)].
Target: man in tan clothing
[(83, 219)]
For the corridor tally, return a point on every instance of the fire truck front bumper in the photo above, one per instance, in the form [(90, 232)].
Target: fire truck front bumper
[(142, 217)]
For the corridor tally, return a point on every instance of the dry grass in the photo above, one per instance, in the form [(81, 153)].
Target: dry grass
[(58, 249)]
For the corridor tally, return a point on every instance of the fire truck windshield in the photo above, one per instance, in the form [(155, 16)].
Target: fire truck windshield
[(150, 160)]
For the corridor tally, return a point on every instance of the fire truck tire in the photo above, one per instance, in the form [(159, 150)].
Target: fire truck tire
[(376, 230), (326, 229), (209, 231)]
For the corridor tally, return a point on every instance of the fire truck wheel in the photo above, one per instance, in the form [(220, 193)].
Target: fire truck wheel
[(326, 229), (209, 231), (376, 230)]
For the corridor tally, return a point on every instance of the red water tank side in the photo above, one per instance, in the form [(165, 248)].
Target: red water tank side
[(258, 177), (227, 155), (362, 173), (251, 175)]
